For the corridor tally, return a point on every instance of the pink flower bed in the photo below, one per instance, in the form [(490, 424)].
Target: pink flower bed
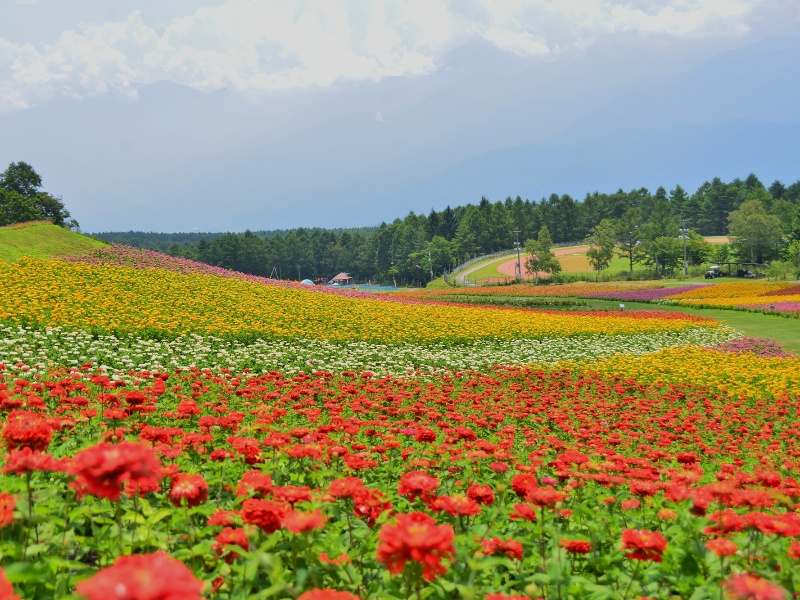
[(760, 347), (783, 307), (646, 295)]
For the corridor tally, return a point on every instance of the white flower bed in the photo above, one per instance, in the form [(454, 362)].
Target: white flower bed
[(42, 349)]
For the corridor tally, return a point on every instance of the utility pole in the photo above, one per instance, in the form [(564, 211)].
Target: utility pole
[(430, 260), (518, 266), (684, 231)]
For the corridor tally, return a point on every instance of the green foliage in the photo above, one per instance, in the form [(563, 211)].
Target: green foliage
[(752, 229), (539, 256), (601, 242), (663, 254), (21, 198), (627, 231)]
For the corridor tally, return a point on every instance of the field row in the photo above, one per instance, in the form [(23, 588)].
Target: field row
[(44, 348), (125, 299)]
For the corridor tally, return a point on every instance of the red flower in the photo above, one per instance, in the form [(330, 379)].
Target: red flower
[(254, 482), (292, 494), (188, 488), (143, 577), (645, 545), (511, 548), (27, 430), (576, 546), (346, 487), (104, 468), (222, 517), (523, 483), (6, 589), (340, 560), (369, 505), (415, 537), (721, 547), (794, 550), (327, 594), (265, 514), (26, 460), (749, 587), (544, 496), (7, 505), (417, 483), (726, 522), (230, 536), (301, 522), (482, 494), (458, 505), (523, 511)]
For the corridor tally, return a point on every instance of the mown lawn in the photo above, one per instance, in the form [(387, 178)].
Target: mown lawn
[(41, 240), (785, 331)]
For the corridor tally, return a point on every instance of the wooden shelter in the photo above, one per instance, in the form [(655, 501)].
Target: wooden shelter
[(341, 279)]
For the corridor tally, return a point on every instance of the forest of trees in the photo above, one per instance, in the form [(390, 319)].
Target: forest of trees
[(413, 248)]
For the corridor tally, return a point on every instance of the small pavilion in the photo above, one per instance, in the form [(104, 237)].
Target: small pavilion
[(342, 279)]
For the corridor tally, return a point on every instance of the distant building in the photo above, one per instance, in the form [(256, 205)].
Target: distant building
[(341, 279)]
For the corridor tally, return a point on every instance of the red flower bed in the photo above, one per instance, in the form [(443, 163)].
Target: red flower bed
[(518, 482)]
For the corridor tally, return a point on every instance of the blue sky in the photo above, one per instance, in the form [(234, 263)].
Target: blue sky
[(325, 113)]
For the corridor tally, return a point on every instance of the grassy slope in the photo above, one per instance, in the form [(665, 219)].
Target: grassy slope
[(41, 240), (784, 331)]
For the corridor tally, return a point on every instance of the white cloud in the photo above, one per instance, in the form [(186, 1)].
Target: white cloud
[(257, 46)]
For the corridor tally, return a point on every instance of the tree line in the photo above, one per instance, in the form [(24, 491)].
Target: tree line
[(644, 225)]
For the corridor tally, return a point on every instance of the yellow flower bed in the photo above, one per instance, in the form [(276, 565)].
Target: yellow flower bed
[(733, 289), (126, 299), (740, 374)]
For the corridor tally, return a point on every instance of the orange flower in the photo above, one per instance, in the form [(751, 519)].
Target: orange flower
[(7, 505), (416, 537), (6, 589)]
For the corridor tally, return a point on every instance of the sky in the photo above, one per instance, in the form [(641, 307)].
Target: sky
[(227, 114)]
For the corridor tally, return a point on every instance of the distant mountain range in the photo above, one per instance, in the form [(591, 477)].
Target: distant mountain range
[(488, 123)]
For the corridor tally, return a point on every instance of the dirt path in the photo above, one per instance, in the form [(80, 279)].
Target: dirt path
[(509, 267)]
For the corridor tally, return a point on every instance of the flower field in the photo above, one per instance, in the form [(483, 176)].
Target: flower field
[(776, 297), (172, 434)]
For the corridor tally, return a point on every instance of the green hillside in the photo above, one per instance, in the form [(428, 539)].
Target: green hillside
[(41, 239)]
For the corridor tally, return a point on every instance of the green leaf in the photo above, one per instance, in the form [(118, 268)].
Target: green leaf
[(159, 515), (689, 566)]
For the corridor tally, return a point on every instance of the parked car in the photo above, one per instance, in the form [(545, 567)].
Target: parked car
[(713, 272)]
